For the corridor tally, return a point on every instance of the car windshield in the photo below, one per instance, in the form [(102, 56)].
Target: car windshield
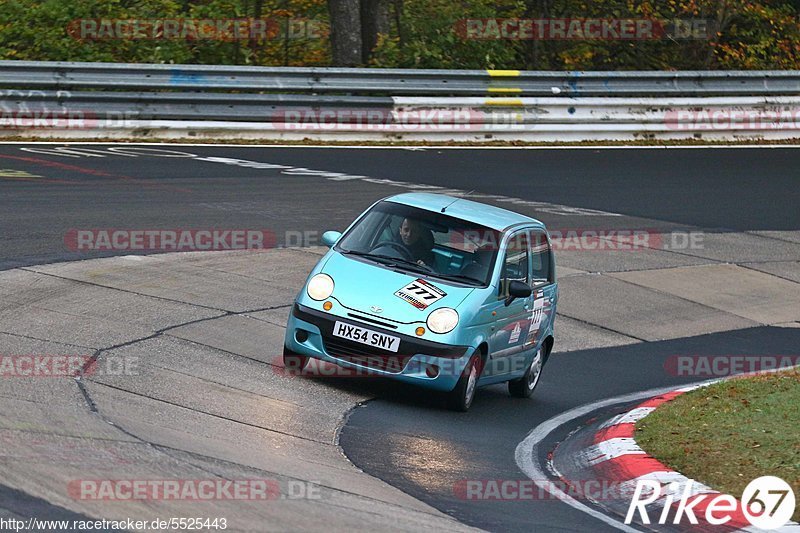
[(424, 242)]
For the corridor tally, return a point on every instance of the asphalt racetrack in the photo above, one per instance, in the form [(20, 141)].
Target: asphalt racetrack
[(721, 278), (715, 189)]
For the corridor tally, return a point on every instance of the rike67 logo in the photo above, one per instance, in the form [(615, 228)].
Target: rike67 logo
[(767, 503)]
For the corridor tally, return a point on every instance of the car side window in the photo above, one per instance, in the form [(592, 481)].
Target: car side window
[(515, 262), (367, 229), (391, 229), (540, 258)]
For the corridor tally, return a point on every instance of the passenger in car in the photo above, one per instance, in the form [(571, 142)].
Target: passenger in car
[(479, 267)]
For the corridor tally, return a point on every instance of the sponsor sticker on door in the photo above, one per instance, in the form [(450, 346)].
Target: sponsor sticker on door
[(537, 315)]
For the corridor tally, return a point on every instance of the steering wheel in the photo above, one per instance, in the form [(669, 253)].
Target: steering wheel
[(401, 248)]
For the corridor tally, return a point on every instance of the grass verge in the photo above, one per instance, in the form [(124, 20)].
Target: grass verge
[(730, 433)]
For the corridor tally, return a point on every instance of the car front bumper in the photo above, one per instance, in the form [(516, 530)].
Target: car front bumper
[(410, 364)]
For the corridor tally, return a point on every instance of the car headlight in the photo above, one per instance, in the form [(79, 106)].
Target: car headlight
[(320, 287), (442, 320)]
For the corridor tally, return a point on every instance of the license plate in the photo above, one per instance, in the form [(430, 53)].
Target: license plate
[(366, 336)]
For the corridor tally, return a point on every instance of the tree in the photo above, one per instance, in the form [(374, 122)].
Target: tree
[(346, 44), (355, 27), (374, 21)]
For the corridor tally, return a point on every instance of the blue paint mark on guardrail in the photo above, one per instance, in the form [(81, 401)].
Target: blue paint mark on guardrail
[(573, 83), (183, 77)]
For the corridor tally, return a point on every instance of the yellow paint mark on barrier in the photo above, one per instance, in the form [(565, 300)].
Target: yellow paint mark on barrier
[(9, 173), (505, 102), (505, 90), (503, 73)]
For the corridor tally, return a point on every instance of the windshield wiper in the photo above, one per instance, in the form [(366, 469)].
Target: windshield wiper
[(391, 260), (424, 268), (352, 252)]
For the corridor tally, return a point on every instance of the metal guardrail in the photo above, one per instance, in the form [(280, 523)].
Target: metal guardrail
[(132, 77), (236, 107), (102, 100), (491, 113)]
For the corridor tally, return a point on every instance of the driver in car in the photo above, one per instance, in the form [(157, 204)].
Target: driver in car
[(418, 240)]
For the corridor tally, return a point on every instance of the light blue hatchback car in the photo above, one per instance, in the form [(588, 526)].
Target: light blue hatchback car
[(432, 290)]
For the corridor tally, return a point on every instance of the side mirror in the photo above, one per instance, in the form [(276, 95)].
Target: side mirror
[(517, 289), (329, 238)]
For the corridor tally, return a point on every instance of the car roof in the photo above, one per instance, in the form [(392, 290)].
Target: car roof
[(486, 215)]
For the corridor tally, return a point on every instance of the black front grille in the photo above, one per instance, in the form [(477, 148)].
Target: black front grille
[(364, 356), (372, 320)]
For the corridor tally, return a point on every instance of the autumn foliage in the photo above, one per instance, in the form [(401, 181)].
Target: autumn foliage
[(761, 34)]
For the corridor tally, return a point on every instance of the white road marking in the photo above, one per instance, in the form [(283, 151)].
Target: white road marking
[(423, 148), (632, 416), (527, 451), (662, 477), (607, 450), (136, 151)]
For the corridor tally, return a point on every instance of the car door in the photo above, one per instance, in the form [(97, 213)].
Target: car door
[(512, 322), (543, 308)]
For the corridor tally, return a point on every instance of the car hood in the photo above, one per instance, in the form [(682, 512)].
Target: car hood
[(362, 285)]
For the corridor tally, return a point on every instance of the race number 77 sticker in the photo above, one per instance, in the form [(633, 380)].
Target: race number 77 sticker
[(420, 293)]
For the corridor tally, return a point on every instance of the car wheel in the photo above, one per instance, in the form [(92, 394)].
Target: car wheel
[(460, 398), (294, 363), (523, 387)]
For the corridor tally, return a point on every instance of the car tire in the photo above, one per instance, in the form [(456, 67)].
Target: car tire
[(524, 387), (294, 363), (461, 397)]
